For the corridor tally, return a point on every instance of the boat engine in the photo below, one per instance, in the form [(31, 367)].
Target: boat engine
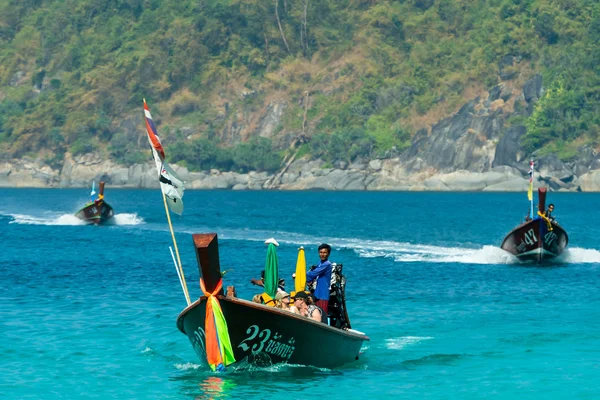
[(338, 315)]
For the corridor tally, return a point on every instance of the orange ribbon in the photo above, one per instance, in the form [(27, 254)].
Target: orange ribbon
[(213, 351)]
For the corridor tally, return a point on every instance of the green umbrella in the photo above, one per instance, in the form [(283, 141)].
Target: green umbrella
[(271, 271)]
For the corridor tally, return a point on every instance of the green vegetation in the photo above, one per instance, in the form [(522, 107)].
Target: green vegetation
[(73, 73), (202, 154)]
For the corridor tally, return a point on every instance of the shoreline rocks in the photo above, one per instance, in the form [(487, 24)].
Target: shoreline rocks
[(375, 175)]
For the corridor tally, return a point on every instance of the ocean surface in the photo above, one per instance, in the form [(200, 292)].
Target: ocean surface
[(89, 312)]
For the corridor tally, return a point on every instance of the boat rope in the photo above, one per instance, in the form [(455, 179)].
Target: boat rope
[(548, 222), (219, 353)]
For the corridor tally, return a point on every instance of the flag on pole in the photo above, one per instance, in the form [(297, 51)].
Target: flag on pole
[(93, 193), (530, 191), (170, 184)]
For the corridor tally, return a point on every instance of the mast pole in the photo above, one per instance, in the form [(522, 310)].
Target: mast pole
[(531, 189), (184, 284)]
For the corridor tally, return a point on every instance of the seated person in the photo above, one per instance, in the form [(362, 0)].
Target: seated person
[(306, 307), (257, 299), (282, 300), (314, 311), (548, 213), (300, 303)]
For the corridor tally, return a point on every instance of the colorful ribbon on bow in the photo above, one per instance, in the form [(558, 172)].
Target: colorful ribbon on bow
[(219, 353)]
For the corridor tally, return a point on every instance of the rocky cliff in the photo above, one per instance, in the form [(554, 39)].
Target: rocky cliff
[(474, 149)]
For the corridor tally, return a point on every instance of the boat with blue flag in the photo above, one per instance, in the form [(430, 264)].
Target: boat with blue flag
[(97, 211), (224, 329), (540, 237)]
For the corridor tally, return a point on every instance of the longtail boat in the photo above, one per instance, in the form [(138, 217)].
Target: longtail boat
[(96, 211), (537, 239), (224, 329)]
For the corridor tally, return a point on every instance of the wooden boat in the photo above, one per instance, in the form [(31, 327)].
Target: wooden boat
[(263, 335), (97, 211), (538, 239)]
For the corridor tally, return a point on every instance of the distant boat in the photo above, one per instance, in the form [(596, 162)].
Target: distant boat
[(97, 211), (537, 239), (259, 334)]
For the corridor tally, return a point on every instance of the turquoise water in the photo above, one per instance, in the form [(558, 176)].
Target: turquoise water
[(89, 312)]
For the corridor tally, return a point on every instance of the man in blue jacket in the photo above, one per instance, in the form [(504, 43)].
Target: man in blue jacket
[(322, 273)]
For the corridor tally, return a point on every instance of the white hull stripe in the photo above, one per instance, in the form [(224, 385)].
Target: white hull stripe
[(537, 251)]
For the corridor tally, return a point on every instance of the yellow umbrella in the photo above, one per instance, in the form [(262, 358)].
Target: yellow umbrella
[(300, 285)]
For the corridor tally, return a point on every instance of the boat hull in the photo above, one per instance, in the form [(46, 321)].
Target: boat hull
[(264, 336), (534, 241), (96, 213)]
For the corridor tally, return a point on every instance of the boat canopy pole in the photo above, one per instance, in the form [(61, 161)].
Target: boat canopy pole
[(184, 284), (530, 191), (177, 269)]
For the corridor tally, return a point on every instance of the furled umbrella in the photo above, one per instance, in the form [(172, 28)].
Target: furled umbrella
[(300, 277), (271, 269)]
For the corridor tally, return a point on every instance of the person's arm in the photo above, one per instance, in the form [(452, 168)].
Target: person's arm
[(316, 315), (257, 282), (321, 268)]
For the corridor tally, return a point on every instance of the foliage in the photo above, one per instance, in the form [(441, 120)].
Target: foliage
[(256, 155), (563, 114), (71, 71), (203, 154), (344, 145)]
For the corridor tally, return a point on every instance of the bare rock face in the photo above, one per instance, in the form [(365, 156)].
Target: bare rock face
[(474, 139), (470, 150), (27, 172), (271, 119), (509, 151), (244, 124), (465, 141), (81, 170), (587, 160), (551, 167), (589, 182), (533, 89)]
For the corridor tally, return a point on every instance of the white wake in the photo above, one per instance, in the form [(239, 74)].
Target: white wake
[(64, 219), (70, 219), (407, 252), (578, 255), (400, 343), (127, 219)]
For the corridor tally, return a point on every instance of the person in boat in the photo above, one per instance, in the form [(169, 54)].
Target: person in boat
[(261, 282), (306, 307), (322, 273), (257, 299), (283, 302), (548, 213)]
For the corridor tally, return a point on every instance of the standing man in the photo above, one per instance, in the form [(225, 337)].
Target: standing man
[(549, 211), (322, 273)]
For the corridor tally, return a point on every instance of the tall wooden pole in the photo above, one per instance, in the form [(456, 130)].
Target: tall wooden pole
[(185, 289)]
